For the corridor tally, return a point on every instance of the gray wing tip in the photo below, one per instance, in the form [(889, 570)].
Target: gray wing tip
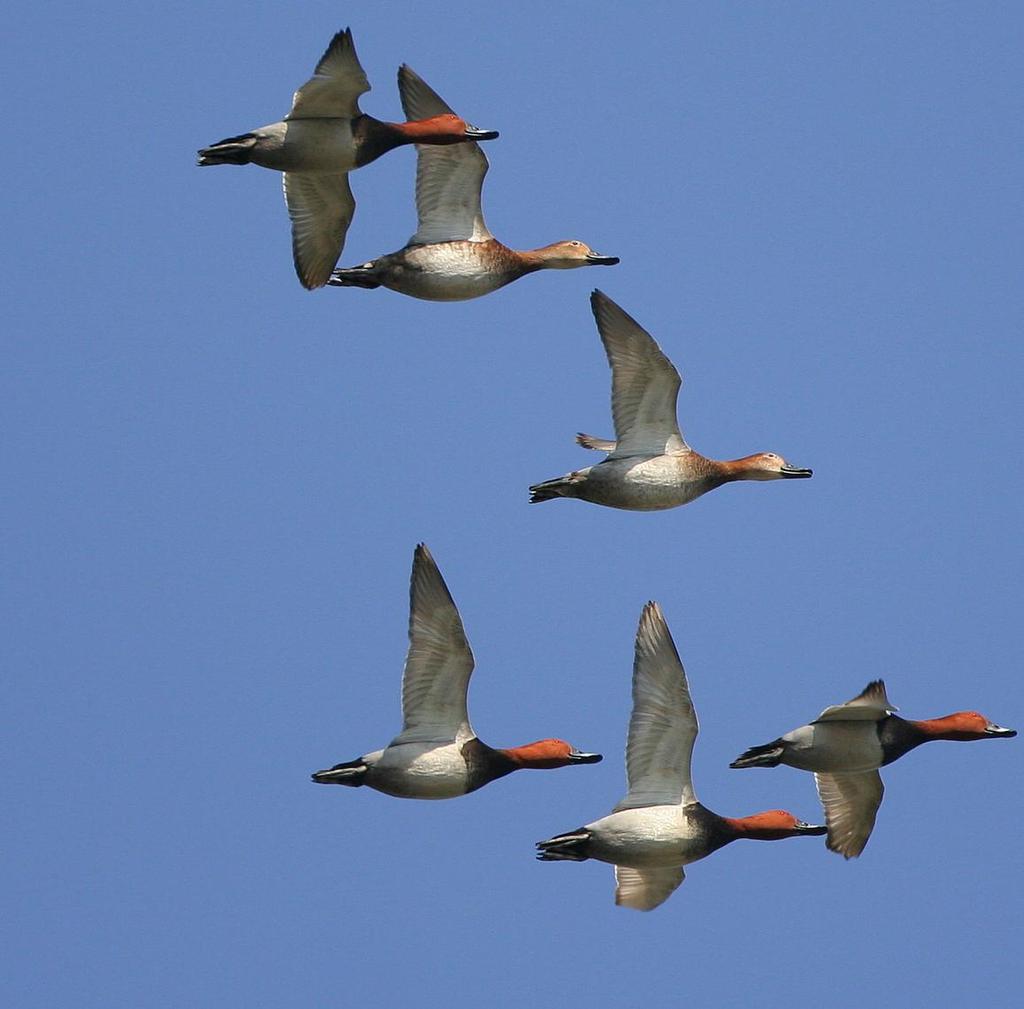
[(419, 99), (423, 566), (425, 569), (342, 45), (875, 692), (656, 646), (593, 442), (426, 578), (652, 614), (602, 306), (340, 41), (653, 635), (848, 847), (652, 631), (608, 313)]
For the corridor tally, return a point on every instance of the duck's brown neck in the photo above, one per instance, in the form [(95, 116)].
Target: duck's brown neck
[(528, 260), (757, 827), (728, 470), (538, 755), (375, 137), (946, 727), (714, 472)]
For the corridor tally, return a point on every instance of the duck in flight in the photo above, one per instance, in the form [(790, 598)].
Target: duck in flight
[(437, 755), (323, 138), (844, 747), (660, 826), (649, 467), (453, 256)]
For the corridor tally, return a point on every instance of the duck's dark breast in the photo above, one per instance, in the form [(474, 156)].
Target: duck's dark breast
[(483, 764), (710, 831), (897, 736)]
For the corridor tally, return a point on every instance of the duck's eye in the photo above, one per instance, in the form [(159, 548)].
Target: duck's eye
[(575, 244)]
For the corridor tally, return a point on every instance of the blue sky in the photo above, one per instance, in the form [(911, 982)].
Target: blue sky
[(216, 481)]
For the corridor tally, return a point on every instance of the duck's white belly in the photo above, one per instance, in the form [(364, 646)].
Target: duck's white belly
[(652, 836), (834, 747), (419, 771), (306, 145), (445, 271), (639, 484)]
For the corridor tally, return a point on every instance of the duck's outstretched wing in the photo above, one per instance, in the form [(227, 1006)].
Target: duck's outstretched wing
[(645, 385), (663, 725), (439, 662), (334, 89), (871, 704), (593, 442), (851, 804), (644, 889), (449, 177), (321, 206)]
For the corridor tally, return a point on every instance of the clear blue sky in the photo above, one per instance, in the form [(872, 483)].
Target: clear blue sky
[(215, 481)]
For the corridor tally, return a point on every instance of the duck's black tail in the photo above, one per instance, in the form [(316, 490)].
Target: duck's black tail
[(355, 276), (351, 774), (549, 490), (768, 755), (571, 847), (231, 151)]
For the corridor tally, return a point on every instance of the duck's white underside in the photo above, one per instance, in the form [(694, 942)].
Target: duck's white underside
[(834, 747), (649, 836), (418, 770)]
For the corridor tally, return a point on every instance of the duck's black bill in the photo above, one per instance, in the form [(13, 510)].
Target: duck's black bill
[(1000, 733), (585, 758), (794, 472), (812, 829), (474, 133), (595, 260)]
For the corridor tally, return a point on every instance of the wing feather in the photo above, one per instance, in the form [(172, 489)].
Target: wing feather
[(449, 178), (871, 704), (334, 89), (851, 804), (644, 889), (439, 662), (321, 206), (663, 725), (645, 385)]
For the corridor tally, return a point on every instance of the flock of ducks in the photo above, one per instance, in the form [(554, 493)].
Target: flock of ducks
[(659, 827)]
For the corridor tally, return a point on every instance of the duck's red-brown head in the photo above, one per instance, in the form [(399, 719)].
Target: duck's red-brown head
[(548, 753), (964, 726), (566, 256), (764, 466), (773, 825), (447, 128)]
